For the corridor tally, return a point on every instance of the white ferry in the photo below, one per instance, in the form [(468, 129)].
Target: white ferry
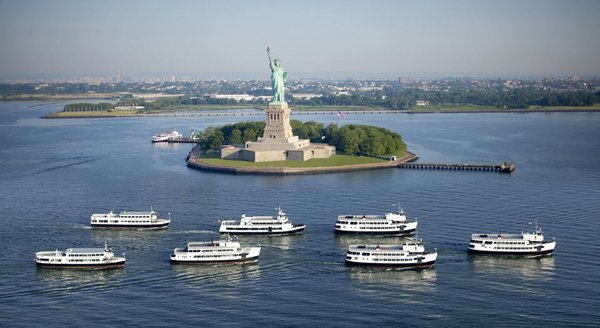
[(220, 251), (390, 223), (125, 219), (266, 225), (166, 136), (410, 255), (525, 243), (92, 258)]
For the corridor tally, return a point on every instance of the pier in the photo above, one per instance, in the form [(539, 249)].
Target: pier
[(501, 168), (183, 140)]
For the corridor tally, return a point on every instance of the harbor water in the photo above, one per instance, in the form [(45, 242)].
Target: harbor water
[(55, 173)]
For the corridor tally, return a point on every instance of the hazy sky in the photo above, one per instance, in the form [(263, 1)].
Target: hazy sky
[(316, 38)]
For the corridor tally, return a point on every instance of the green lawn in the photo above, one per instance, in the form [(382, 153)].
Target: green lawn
[(337, 160), (468, 108), (96, 113)]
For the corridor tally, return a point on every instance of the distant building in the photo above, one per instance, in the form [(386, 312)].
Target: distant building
[(422, 103), (306, 95), (404, 80), (236, 97)]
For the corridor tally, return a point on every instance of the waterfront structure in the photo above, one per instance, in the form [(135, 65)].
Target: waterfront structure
[(265, 225), (408, 255), (525, 243), (221, 251), (278, 142), (389, 223), (91, 258), (139, 220)]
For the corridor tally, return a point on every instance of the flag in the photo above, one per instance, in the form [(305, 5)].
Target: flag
[(340, 114)]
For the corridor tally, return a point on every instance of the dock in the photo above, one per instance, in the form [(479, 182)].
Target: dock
[(505, 167), (183, 140)]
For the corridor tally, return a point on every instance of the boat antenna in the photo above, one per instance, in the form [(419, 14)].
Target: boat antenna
[(105, 246)]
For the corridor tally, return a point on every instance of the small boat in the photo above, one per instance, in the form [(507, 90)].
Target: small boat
[(266, 225), (389, 223), (220, 251), (166, 136), (407, 255), (86, 258), (125, 219), (525, 243)]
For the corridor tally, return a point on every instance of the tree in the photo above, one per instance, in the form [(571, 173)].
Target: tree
[(216, 139), (350, 142), (236, 137), (249, 134)]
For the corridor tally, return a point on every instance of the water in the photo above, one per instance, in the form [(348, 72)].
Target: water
[(56, 173)]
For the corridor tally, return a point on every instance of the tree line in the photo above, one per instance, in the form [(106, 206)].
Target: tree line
[(405, 99), (351, 139)]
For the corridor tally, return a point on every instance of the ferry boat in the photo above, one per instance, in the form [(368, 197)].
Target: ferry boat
[(166, 136), (221, 251), (266, 225), (408, 255), (125, 219), (525, 243), (91, 258), (390, 223)]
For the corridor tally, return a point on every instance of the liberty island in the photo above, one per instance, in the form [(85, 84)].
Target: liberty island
[(278, 142)]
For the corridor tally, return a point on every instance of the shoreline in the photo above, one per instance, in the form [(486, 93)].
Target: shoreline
[(236, 112), (193, 162)]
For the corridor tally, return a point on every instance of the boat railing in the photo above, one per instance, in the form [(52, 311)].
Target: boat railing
[(477, 236), (228, 222), (383, 247)]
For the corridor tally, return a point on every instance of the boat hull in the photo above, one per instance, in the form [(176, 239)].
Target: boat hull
[(377, 232), (161, 225), (241, 261), (422, 265), (535, 253), (294, 230), (112, 265)]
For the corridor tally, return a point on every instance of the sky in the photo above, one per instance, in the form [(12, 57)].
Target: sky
[(348, 39)]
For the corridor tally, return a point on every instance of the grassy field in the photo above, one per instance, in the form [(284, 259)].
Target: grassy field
[(92, 114), (337, 160), (476, 108), (47, 97), (555, 108)]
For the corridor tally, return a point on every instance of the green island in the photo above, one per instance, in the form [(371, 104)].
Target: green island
[(351, 139)]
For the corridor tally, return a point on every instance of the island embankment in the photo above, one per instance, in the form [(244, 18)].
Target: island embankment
[(196, 162)]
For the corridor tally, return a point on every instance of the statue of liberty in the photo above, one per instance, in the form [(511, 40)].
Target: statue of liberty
[(278, 77)]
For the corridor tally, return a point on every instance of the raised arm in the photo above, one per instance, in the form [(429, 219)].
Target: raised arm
[(269, 54)]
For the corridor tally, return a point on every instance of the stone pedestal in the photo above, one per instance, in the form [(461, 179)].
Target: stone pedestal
[(278, 123), (278, 142)]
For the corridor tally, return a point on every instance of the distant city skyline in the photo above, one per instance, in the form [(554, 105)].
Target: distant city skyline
[(314, 39)]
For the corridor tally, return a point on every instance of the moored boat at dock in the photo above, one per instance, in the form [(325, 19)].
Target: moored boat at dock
[(166, 136), (389, 223), (85, 258), (220, 251), (407, 255), (125, 219), (266, 225), (525, 243)]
